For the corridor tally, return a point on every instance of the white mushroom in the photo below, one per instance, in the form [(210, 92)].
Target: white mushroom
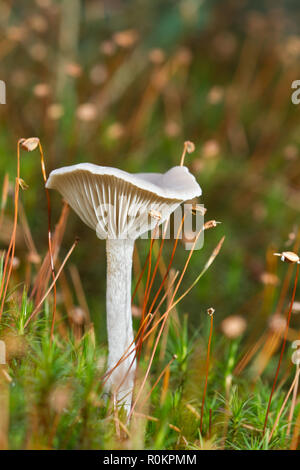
[(118, 206)]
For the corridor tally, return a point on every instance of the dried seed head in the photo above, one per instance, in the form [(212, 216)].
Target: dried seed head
[(59, 398), (16, 33), (126, 38), (38, 23), (198, 208), (30, 144), (55, 111), (175, 428), (136, 311), (183, 56), (269, 279), (211, 224), (277, 323), (78, 316), (188, 236), (190, 146), (288, 257), (108, 48), (33, 258), (41, 90), (22, 184), (115, 131), (154, 214), (98, 74), (296, 307), (211, 149), (172, 128), (15, 263), (210, 311), (290, 152), (233, 326), (156, 56), (87, 112), (73, 69), (38, 51), (192, 410), (215, 95)]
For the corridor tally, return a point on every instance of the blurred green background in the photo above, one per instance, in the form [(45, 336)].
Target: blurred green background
[(125, 83)]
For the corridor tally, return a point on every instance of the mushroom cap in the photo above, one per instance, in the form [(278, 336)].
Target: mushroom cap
[(117, 204)]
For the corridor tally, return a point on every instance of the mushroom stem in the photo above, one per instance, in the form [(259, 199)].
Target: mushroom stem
[(119, 319)]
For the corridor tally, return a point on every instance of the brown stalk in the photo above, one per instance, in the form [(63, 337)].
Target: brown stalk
[(80, 292), (171, 307), (284, 403), (294, 399), (149, 317), (141, 328), (150, 284), (164, 340), (165, 316), (126, 353), (165, 369), (11, 249), (146, 295), (35, 311), (27, 233), (49, 238), (287, 278), (165, 386), (43, 274), (249, 354), (282, 348), (140, 277), (295, 439), (169, 265)]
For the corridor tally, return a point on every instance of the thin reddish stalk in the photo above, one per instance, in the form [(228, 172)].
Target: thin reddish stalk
[(282, 348), (149, 317), (164, 319), (144, 325), (293, 405), (212, 257), (43, 273), (169, 266), (167, 271), (284, 403), (140, 277), (35, 311), (149, 283), (49, 239), (171, 307), (11, 249), (145, 295), (158, 379)]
